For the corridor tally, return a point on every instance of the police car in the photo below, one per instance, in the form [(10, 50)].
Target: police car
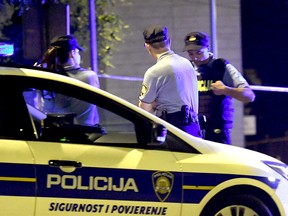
[(131, 163)]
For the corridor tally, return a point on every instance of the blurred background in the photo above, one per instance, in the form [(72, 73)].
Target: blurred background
[(264, 51), (250, 34)]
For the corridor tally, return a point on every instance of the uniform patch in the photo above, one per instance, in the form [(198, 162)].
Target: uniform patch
[(192, 38), (163, 184), (144, 89)]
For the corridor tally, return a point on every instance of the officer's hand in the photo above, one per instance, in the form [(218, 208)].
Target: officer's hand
[(218, 88)]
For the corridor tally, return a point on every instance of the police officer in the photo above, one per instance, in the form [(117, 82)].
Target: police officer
[(218, 83), (63, 57), (169, 88)]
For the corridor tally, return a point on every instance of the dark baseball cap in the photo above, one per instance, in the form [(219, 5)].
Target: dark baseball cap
[(66, 42), (155, 33), (196, 41)]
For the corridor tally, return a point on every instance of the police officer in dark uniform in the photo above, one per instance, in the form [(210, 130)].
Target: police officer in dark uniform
[(218, 83), (169, 87)]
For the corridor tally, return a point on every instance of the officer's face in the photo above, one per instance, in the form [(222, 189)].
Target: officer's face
[(76, 57), (200, 56)]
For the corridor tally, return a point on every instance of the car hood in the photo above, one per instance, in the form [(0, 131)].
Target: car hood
[(209, 147)]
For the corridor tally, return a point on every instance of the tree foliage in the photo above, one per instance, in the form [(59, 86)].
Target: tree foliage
[(110, 27)]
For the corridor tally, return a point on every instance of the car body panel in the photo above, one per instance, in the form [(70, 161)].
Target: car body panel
[(17, 185), (125, 175)]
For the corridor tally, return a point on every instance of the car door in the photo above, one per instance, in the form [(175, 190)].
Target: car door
[(17, 170), (110, 172)]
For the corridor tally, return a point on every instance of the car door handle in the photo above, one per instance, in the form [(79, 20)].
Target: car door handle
[(65, 163)]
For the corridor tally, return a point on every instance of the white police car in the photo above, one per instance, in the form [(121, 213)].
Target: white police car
[(129, 164)]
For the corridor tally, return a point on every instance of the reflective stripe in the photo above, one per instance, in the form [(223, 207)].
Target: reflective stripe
[(17, 179)]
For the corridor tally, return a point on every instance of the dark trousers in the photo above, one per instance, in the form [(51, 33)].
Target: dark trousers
[(218, 135), (191, 126)]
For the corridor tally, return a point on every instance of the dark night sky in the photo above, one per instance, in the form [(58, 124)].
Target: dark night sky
[(264, 34), (264, 48)]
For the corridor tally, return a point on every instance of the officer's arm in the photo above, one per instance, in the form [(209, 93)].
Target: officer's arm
[(150, 107), (241, 94), (234, 85)]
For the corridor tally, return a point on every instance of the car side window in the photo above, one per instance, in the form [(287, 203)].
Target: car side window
[(62, 118), (14, 121)]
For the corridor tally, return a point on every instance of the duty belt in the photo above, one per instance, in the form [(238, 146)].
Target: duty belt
[(185, 116)]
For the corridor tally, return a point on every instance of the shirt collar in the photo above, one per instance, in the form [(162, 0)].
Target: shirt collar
[(163, 55)]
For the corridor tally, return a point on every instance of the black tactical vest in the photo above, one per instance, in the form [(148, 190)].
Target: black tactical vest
[(218, 109)]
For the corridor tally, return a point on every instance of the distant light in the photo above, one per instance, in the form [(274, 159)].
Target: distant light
[(6, 49)]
